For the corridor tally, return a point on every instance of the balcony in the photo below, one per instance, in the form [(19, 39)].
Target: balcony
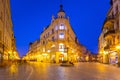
[(109, 33)]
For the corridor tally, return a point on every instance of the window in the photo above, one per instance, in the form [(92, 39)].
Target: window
[(53, 38), (43, 42), (61, 35), (62, 27), (0, 35), (1, 16), (68, 31), (118, 39), (117, 24), (44, 36), (61, 47), (48, 33), (56, 28), (52, 31), (68, 39), (43, 49), (116, 8)]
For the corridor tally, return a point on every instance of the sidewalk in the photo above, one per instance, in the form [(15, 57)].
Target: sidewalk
[(114, 65)]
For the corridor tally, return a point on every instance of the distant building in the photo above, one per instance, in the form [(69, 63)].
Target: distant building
[(58, 41), (109, 40), (7, 40), (33, 52)]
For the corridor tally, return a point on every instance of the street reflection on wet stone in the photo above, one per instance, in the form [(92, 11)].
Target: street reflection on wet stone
[(47, 71)]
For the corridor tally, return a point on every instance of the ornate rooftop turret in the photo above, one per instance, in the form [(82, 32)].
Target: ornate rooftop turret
[(61, 12)]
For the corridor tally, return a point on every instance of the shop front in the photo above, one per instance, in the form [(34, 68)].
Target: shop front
[(113, 57)]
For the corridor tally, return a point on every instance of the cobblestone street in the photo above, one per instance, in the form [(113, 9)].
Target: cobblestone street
[(46, 71)]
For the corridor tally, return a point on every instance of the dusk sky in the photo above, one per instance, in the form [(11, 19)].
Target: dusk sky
[(29, 17)]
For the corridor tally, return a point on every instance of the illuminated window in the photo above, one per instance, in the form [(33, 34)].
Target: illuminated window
[(43, 49), (61, 47), (62, 27), (56, 27), (61, 35)]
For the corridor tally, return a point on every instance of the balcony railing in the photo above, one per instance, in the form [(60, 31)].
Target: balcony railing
[(109, 32)]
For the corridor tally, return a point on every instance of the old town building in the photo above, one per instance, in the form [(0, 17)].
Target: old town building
[(57, 43), (33, 52), (7, 39), (109, 40)]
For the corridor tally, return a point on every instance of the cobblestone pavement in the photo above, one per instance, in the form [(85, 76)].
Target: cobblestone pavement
[(46, 71)]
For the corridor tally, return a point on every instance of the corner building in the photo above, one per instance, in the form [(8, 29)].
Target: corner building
[(109, 40), (58, 40)]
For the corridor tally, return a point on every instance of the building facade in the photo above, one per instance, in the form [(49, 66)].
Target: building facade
[(7, 39), (58, 41), (109, 40), (33, 53)]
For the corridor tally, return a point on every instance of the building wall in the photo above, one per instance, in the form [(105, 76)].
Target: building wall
[(34, 51), (57, 46), (6, 30), (58, 41), (111, 34)]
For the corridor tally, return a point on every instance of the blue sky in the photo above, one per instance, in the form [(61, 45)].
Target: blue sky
[(29, 17)]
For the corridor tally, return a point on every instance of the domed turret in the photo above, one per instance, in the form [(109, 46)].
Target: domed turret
[(61, 12)]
